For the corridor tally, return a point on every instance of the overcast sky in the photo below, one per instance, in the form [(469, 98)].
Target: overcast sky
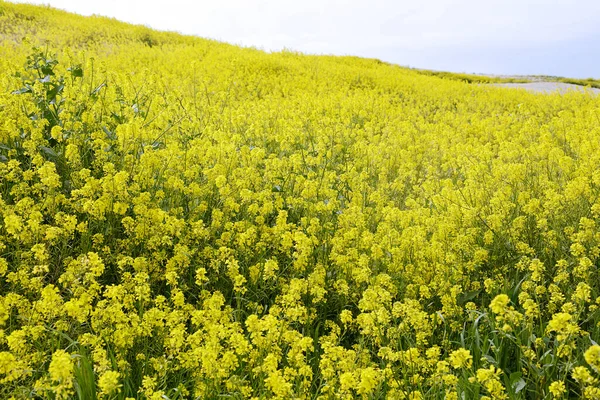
[(553, 37)]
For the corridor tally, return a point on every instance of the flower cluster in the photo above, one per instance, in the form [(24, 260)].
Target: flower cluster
[(181, 218)]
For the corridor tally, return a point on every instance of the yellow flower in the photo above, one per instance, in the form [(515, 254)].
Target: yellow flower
[(57, 133), (3, 267), (450, 380), (13, 224), (346, 317), (369, 379), (582, 375), (415, 395), (451, 395), (11, 368), (592, 357), (461, 358), (591, 392), (557, 388), (61, 374), (277, 383), (347, 381), (48, 175), (499, 304), (559, 322), (108, 383), (270, 268)]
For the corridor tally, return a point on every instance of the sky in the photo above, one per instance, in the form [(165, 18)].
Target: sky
[(512, 37)]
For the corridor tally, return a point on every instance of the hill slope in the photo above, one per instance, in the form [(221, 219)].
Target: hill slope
[(190, 219)]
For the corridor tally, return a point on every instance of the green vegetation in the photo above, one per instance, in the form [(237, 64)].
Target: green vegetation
[(475, 78), (471, 78), (591, 82)]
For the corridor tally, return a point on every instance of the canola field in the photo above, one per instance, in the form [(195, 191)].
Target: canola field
[(186, 219)]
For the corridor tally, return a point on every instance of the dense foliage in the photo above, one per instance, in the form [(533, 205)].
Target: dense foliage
[(181, 218)]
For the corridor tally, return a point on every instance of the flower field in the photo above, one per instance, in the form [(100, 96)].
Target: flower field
[(186, 219)]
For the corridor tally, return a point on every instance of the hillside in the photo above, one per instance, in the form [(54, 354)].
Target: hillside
[(182, 218)]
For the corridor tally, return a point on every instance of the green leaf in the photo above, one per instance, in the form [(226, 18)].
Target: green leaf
[(54, 92), (49, 153), (516, 382), (110, 135), (490, 359), (519, 385), (76, 71), (47, 69), (97, 89), (467, 296), (26, 89)]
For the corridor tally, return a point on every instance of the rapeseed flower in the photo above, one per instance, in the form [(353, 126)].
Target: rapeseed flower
[(557, 389), (592, 357), (183, 216), (461, 358), (108, 383)]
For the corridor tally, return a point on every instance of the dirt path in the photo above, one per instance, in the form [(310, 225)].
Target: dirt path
[(549, 87)]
